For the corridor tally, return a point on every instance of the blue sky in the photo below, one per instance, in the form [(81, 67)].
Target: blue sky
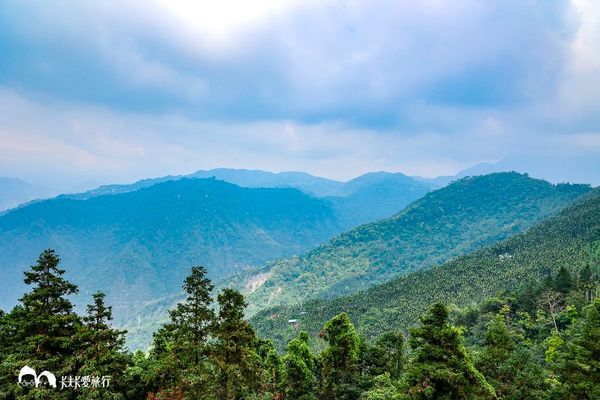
[(117, 91)]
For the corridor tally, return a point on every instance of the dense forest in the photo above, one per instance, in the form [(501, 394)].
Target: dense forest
[(455, 220), (541, 342), (570, 238)]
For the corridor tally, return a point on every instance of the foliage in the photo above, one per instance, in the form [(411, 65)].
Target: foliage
[(203, 354), (449, 222), (570, 238), (441, 368)]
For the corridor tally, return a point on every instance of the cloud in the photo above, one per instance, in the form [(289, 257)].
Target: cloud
[(364, 62), (124, 90)]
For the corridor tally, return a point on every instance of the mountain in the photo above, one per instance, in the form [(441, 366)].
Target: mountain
[(138, 246), (466, 215), (375, 195), (364, 199), (570, 238), (14, 192), (580, 169), (313, 185)]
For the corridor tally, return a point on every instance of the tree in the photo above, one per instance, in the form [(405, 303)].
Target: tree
[(386, 356), (299, 367), (563, 282), (578, 364), (181, 347), (391, 347), (509, 366), (586, 282), (383, 389), (42, 327), (340, 359), (552, 303), (101, 351), (234, 355), (441, 368), (273, 371)]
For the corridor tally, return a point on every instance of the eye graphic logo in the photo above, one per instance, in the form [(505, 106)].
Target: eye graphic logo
[(37, 379)]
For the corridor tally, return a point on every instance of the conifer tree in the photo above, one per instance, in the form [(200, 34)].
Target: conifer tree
[(441, 367), (41, 328), (586, 282), (101, 351), (181, 347), (340, 359), (235, 356), (299, 366)]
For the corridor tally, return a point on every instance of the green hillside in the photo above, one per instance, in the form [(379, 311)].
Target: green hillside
[(464, 216), (571, 238), (137, 246)]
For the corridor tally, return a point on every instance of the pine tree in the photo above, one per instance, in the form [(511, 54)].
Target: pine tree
[(299, 367), (441, 367), (101, 351), (235, 355), (340, 359), (42, 328), (181, 350)]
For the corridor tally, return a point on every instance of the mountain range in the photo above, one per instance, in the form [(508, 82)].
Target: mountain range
[(570, 238), (139, 245), (449, 222), (452, 221)]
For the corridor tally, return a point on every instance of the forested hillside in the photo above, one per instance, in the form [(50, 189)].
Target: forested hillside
[(446, 223), (540, 342), (571, 239), (137, 246)]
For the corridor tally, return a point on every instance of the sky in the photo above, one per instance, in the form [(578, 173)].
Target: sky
[(115, 91)]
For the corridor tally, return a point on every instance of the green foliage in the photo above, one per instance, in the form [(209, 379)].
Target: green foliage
[(578, 361), (570, 238), (383, 389), (181, 350), (203, 355), (137, 247), (340, 359), (234, 354), (446, 223), (441, 368), (40, 330), (101, 351), (299, 364)]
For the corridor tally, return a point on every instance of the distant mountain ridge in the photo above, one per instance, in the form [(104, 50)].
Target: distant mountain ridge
[(570, 238), (369, 197), (139, 245), (446, 223)]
